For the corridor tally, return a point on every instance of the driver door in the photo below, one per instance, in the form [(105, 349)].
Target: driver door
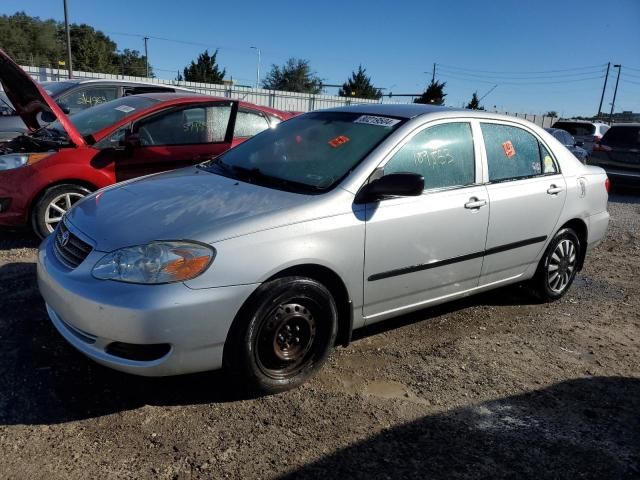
[(420, 249), (177, 137)]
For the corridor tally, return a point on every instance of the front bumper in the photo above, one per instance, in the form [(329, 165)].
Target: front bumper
[(92, 314)]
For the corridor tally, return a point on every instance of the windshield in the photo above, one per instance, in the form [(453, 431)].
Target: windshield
[(576, 128), (94, 119), (313, 151), (56, 88)]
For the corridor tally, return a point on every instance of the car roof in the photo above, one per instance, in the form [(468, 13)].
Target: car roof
[(414, 110), (115, 81)]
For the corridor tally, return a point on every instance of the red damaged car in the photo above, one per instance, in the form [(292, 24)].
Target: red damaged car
[(44, 173)]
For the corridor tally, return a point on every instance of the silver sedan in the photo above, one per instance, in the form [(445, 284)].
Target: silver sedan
[(262, 260)]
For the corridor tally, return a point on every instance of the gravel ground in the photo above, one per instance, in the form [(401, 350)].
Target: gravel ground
[(494, 386)]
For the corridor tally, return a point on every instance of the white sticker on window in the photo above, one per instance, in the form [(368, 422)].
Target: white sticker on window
[(373, 120), (125, 108)]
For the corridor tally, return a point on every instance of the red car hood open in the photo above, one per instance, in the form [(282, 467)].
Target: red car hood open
[(29, 99)]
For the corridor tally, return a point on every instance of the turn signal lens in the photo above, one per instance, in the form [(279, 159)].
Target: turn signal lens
[(155, 262)]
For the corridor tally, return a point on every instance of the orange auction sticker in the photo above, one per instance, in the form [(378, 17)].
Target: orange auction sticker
[(509, 149), (340, 140)]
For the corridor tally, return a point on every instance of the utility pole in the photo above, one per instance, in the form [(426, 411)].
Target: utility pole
[(257, 67), (433, 76), (603, 89), (615, 91), (146, 55), (66, 27)]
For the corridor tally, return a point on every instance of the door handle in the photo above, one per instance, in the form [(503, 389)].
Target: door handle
[(475, 203), (554, 190)]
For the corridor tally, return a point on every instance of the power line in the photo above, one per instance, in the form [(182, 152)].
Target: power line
[(534, 77), (601, 66), (511, 82)]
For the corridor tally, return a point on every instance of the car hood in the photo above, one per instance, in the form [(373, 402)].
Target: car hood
[(29, 99), (189, 204)]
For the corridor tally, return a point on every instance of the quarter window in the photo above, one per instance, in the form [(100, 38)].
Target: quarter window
[(249, 124), (202, 124), (443, 154), (514, 153)]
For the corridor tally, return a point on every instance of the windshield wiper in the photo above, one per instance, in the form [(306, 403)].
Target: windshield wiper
[(256, 176)]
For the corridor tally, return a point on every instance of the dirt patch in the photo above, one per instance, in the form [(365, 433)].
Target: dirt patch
[(493, 386)]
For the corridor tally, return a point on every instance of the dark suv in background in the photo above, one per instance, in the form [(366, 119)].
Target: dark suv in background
[(589, 133), (76, 95), (619, 154)]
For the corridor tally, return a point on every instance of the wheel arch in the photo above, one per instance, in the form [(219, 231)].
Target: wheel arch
[(580, 227), (68, 181)]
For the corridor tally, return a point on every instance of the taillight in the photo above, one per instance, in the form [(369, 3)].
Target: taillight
[(598, 147), (607, 185)]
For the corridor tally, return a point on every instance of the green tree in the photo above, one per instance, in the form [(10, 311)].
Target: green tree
[(29, 40), (205, 69), (132, 63), (433, 95), (91, 50), (294, 76), (474, 103), (551, 113), (359, 85)]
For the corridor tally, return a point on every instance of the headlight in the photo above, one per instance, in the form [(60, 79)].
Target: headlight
[(155, 262), (15, 160)]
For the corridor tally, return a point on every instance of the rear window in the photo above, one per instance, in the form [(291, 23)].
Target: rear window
[(576, 128), (622, 136)]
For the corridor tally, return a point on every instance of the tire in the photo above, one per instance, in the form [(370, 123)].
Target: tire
[(282, 336), (558, 266), (53, 204)]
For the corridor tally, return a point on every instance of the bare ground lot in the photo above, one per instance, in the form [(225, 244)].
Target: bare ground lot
[(494, 386)]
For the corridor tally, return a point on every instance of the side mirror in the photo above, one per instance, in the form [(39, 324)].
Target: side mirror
[(579, 143), (65, 108), (130, 141), (392, 185), (47, 116)]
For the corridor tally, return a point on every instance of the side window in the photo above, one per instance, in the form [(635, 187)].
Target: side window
[(274, 121), (548, 165), (201, 124), (249, 124), (443, 154), (88, 97), (112, 140), (513, 153)]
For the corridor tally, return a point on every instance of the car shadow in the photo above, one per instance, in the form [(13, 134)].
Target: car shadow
[(23, 238), (582, 428), (43, 380)]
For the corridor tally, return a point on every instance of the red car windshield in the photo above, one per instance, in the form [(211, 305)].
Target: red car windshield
[(94, 119)]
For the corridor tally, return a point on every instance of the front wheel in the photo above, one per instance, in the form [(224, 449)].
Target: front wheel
[(282, 336), (55, 202), (558, 266)]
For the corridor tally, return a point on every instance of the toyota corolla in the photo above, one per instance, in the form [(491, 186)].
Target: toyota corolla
[(264, 259)]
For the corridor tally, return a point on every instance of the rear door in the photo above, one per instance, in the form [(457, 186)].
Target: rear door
[(526, 194), (178, 137)]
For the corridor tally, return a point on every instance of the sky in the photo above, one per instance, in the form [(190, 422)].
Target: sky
[(542, 54)]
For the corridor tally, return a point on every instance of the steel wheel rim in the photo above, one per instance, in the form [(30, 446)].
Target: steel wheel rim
[(285, 340), (561, 265), (58, 207)]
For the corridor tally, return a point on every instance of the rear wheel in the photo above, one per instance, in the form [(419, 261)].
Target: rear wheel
[(282, 336), (558, 266), (51, 207)]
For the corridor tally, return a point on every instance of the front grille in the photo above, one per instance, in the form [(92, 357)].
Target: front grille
[(69, 249)]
